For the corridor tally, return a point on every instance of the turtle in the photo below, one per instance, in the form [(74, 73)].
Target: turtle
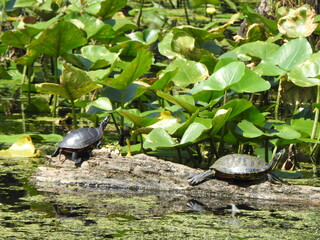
[(239, 166), (81, 140)]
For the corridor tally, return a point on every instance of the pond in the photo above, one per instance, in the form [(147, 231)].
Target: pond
[(75, 213)]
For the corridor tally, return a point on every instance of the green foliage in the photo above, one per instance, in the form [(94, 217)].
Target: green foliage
[(179, 87)]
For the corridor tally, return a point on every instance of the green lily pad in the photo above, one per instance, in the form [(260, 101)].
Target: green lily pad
[(307, 74), (291, 54), (190, 72), (59, 39), (74, 83), (225, 77), (251, 82), (133, 71), (158, 138)]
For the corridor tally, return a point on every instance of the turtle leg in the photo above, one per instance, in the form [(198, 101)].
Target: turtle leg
[(274, 179), (98, 144), (201, 177), (75, 158), (56, 152)]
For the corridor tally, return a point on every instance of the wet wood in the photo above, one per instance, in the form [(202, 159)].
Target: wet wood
[(142, 173)]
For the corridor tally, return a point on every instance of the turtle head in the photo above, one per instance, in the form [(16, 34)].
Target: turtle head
[(104, 122), (276, 158)]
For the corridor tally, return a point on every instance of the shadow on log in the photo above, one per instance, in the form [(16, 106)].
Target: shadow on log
[(146, 174)]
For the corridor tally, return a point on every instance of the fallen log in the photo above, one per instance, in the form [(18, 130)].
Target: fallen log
[(143, 173)]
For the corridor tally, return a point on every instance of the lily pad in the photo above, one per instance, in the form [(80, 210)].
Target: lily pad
[(298, 22), (23, 147)]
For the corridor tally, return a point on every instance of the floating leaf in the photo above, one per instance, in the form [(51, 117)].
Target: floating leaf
[(23, 147), (298, 22)]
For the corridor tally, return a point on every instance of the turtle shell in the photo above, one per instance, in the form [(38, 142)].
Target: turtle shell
[(240, 166), (81, 138)]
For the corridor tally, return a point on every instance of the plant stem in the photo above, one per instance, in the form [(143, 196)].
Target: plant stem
[(316, 117), (74, 115), (122, 107), (140, 13), (56, 80), (24, 76), (276, 110), (186, 12)]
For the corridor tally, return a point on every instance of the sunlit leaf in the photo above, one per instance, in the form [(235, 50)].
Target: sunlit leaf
[(189, 72), (158, 138), (219, 120), (102, 104), (164, 79), (251, 82), (307, 74), (291, 54), (249, 130), (146, 36), (259, 49), (287, 132), (225, 77), (134, 70), (99, 55), (74, 83), (304, 126), (193, 132), (23, 147)]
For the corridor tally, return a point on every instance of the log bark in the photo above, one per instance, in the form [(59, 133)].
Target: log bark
[(147, 174)]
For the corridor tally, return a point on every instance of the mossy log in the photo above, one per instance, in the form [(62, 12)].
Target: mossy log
[(142, 173)]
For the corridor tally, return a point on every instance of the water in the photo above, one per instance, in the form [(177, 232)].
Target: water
[(74, 213)]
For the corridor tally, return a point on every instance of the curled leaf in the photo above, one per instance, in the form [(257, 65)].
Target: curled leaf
[(23, 147), (298, 23)]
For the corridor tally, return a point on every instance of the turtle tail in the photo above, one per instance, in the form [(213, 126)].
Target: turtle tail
[(199, 178)]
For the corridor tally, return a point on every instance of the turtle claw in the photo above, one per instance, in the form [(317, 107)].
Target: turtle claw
[(196, 179)]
